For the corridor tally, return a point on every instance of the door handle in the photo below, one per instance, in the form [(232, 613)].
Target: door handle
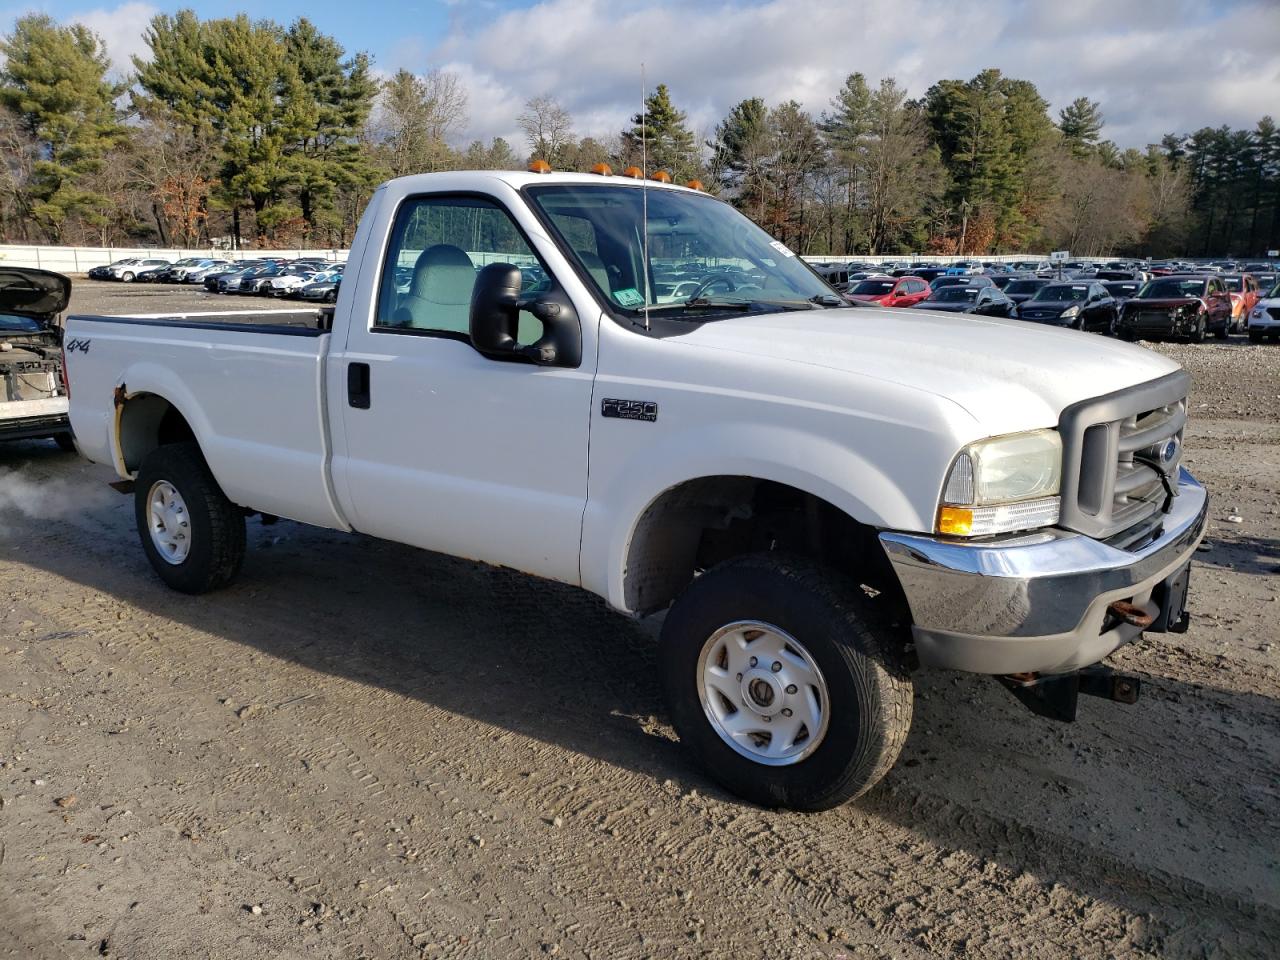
[(358, 385)]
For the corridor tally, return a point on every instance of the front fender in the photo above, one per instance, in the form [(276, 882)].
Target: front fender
[(813, 463)]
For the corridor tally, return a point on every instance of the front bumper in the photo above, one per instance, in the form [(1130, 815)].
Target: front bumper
[(1036, 602)]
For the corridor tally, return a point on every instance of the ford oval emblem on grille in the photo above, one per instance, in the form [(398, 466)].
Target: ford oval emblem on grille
[(1169, 451)]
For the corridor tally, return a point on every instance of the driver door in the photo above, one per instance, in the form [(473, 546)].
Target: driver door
[(444, 448)]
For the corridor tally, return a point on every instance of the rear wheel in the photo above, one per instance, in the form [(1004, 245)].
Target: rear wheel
[(782, 684), (192, 534), (126, 277)]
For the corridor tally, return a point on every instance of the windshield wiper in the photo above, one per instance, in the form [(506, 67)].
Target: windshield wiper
[(702, 303)]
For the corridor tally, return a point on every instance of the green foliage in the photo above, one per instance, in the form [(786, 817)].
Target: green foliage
[(54, 81), (1081, 124), (660, 135)]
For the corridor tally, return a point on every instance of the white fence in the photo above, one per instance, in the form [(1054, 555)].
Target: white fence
[(83, 259)]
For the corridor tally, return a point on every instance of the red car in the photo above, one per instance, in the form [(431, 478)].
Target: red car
[(890, 291)]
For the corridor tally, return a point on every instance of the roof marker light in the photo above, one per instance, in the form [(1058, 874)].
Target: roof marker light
[(603, 169), (633, 172), (539, 166), (662, 176), (694, 185)]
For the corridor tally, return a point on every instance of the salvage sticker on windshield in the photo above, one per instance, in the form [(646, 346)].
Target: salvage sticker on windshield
[(781, 248), (628, 297)]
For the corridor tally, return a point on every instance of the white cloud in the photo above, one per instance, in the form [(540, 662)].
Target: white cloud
[(121, 30), (1177, 69)]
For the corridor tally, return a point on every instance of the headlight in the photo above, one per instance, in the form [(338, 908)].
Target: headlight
[(1003, 484), (1258, 314), (1070, 311)]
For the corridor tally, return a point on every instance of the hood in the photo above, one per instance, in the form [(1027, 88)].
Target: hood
[(1007, 374), (869, 297), (1050, 306), (39, 294), (947, 306)]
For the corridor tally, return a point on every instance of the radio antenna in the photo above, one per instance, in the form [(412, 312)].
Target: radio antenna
[(644, 190)]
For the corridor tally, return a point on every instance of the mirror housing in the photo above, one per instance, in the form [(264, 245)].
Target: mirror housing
[(495, 320)]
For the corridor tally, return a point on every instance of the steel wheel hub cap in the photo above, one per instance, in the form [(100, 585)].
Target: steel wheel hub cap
[(763, 693), (169, 522)]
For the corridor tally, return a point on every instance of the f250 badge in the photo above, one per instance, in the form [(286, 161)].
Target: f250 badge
[(77, 344), (645, 410)]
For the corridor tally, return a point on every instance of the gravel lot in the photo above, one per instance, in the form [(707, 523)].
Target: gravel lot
[(362, 750)]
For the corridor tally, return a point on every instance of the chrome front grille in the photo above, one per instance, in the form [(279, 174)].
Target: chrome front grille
[(1115, 449)]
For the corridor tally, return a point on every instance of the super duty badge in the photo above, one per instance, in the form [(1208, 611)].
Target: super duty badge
[(645, 410)]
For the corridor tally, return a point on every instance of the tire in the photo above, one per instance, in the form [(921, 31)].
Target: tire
[(867, 709), (213, 531), (126, 277), (1197, 335), (66, 442), (1221, 334)]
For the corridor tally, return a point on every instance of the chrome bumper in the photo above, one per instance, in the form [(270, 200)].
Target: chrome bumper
[(1036, 602)]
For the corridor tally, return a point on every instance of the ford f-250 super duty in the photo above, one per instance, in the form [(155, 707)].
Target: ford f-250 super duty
[(33, 398), (820, 497)]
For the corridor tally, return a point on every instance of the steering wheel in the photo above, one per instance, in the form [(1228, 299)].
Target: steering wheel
[(711, 281)]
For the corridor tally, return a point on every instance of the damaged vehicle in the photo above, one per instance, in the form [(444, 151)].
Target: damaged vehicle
[(33, 395)]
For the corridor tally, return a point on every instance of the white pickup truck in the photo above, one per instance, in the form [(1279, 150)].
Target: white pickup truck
[(820, 498)]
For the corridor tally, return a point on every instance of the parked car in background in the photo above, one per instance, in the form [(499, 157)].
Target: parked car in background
[(1122, 290), (890, 291), (128, 272), (988, 300), (196, 272), (1184, 307), (323, 288), (292, 277), (1263, 320), (976, 280), (104, 272), (1242, 288), (1022, 289), (1081, 305), (153, 274)]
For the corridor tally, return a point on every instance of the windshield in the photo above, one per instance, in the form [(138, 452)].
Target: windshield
[(1023, 286), (1122, 289), (955, 294), (1172, 287), (873, 287), (1234, 284), (1059, 292), (729, 258)]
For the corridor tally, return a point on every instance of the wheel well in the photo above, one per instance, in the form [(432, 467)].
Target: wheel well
[(700, 523), (148, 421)]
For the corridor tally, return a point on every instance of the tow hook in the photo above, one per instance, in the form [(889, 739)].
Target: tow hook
[(1054, 695), (1133, 615)]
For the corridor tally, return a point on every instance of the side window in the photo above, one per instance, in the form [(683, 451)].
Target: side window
[(438, 245)]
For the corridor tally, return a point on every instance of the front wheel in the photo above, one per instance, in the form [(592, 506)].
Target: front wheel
[(192, 534), (783, 685), (126, 277), (1197, 334)]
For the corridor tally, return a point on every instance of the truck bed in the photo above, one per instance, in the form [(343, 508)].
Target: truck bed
[(250, 385)]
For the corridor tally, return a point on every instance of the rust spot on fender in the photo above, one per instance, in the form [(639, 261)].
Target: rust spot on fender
[(119, 395)]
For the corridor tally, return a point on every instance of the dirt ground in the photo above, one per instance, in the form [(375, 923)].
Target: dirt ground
[(362, 750)]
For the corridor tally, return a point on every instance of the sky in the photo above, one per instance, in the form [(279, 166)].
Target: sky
[(1156, 67)]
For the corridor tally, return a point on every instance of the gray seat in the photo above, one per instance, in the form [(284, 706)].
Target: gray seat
[(439, 296)]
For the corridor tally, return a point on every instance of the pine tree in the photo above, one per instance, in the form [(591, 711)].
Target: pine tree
[(660, 134), (54, 80), (1081, 125)]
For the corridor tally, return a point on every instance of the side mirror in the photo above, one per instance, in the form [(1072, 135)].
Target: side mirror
[(495, 320)]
